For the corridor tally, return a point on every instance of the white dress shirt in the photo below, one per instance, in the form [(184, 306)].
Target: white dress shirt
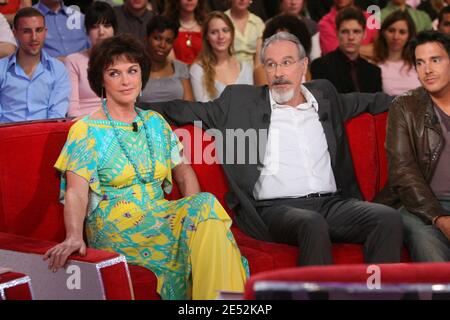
[(297, 161)]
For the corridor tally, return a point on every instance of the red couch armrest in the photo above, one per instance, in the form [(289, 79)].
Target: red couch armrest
[(98, 275)]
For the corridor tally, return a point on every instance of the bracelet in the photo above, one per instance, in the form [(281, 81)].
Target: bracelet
[(435, 219)]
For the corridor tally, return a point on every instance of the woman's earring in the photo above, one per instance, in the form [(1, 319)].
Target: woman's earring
[(103, 94)]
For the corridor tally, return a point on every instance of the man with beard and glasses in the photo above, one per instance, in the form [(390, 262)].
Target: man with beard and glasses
[(33, 85), (301, 189)]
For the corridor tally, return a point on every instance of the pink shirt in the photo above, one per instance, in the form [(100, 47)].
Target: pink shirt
[(397, 78), (328, 37), (83, 100)]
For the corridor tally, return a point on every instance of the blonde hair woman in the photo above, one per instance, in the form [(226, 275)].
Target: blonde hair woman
[(217, 65)]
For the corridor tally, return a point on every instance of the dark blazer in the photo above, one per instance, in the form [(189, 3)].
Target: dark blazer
[(248, 107), (335, 66)]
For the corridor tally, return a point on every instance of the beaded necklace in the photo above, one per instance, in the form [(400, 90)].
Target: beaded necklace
[(125, 150)]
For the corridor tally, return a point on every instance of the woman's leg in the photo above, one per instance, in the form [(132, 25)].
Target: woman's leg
[(216, 262)]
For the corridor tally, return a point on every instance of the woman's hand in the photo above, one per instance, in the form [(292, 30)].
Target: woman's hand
[(58, 255)]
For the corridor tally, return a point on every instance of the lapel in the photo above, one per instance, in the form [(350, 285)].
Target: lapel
[(327, 124), (260, 120)]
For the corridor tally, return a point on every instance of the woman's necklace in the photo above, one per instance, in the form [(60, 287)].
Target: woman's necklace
[(125, 150), (188, 33)]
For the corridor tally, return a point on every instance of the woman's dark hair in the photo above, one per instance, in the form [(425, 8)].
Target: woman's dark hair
[(429, 36), (172, 10), (161, 23), (381, 47), (100, 12), (291, 24), (105, 53)]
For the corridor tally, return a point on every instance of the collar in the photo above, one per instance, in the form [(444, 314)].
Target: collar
[(45, 10), (393, 6), (127, 13), (252, 18), (347, 59), (12, 60), (310, 101)]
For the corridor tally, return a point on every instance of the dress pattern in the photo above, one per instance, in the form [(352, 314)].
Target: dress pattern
[(132, 218)]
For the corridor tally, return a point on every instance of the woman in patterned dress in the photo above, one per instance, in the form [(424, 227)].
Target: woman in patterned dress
[(116, 165)]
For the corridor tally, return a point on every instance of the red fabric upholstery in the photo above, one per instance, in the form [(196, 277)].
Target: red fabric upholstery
[(17, 292), (390, 273), (380, 126), (29, 189)]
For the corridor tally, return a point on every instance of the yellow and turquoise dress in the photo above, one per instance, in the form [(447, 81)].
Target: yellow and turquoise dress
[(132, 218)]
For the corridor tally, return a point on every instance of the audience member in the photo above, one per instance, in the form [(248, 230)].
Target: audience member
[(248, 31), (344, 67), (444, 20), (293, 25), (418, 152), (33, 85), (328, 33), (169, 79), (100, 23), (7, 42), (10, 7), (190, 14), (65, 26), (295, 8), (133, 17), (421, 20), (392, 56), (217, 65)]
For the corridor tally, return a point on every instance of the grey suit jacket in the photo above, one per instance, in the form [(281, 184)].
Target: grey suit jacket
[(248, 107)]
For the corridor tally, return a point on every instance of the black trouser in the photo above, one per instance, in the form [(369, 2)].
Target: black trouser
[(314, 223)]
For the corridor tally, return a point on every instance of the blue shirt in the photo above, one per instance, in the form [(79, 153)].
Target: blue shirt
[(66, 33), (44, 96)]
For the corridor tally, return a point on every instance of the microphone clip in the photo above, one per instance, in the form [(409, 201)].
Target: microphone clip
[(135, 126)]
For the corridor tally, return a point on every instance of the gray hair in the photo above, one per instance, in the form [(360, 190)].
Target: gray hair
[(282, 36)]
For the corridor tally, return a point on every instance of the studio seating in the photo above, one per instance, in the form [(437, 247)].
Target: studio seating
[(29, 190), (14, 285)]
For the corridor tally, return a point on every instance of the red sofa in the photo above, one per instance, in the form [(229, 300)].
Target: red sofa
[(29, 188)]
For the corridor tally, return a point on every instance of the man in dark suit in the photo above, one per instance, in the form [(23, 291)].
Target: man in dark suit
[(300, 188), (344, 67)]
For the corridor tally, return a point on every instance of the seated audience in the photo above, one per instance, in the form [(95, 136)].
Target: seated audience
[(190, 14), (289, 24), (248, 31), (100, 23), (116, 165), (421, 19), (295, 8), (392, 56), (133, 17), (328, 33), (444, 20), (9, 8), (7, 42), (33, 85), (217, 66), (169, 79), (418, 152), (65, 26), (432, 7), (344, 67)]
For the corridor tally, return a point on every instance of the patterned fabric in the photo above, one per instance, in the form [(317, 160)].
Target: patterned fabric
[(131, 218)]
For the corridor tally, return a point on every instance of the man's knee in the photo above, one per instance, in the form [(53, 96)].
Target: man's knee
[(388, 218)]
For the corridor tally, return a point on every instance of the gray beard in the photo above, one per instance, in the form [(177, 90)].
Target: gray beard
[(282, 97)]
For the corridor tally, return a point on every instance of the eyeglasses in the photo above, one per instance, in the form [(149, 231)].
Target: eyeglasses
[(284, 65)]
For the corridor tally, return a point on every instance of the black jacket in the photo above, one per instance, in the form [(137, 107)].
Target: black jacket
[(335, 66)]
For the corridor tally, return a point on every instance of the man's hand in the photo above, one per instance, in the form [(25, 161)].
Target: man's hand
[(443, 224)]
